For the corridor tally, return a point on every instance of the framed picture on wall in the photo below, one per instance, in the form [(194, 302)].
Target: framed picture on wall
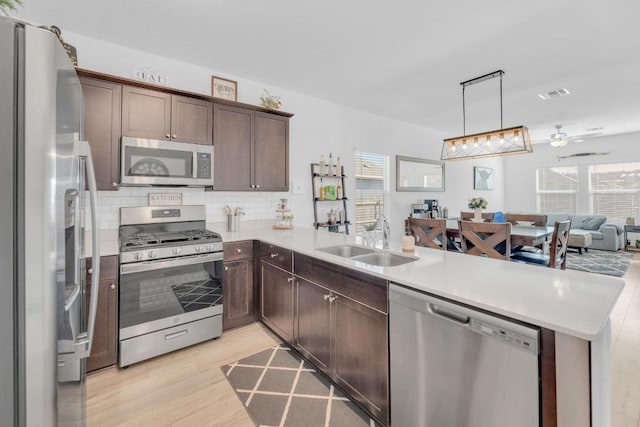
[(482, 178), (224, 88)]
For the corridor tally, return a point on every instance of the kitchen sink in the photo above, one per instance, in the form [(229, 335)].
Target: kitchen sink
[(346, 251), (384, 259)]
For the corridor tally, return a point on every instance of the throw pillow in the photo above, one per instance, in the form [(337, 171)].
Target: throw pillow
[(593, 223)]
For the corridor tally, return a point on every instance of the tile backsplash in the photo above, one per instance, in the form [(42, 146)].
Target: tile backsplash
[(257, 205)]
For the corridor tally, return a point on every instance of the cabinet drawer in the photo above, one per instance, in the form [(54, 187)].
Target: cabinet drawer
[(361, 287), (234, 251), (277, 256), (108, 267)]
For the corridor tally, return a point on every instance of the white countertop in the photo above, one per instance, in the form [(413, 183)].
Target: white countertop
[(570, 302)]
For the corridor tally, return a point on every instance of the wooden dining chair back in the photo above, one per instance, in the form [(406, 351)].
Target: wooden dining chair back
[(430, 233), (557, 257), (537, 220), (486, 239), (486, 216), (559, 244)]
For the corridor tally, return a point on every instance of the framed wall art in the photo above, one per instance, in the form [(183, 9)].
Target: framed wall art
[(224, 88), (482, 178)]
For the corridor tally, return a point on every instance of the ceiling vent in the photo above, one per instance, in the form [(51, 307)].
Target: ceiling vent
[(553, 94)]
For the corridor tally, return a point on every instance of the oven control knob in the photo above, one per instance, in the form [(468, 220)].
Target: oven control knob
[(198, 248), (176, 251), (138, 256), (209, 247), (151, 254)]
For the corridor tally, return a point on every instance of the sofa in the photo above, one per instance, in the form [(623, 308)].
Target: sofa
[(604, 236)]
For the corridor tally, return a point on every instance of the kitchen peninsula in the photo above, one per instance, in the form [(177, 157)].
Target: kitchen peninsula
[(571, 308)]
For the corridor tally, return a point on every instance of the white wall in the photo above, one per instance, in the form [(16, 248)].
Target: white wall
[(318, 127), (520, 187)]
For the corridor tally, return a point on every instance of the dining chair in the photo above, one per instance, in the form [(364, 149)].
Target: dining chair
[(430, 233), (486, 239), (537, 220), (557, 257), (486, 216)]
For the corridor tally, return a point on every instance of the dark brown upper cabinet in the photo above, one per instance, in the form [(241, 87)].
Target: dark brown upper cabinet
[(159, 115), (102, 113), (251, 150)]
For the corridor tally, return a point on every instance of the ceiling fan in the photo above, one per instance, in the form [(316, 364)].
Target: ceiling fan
[(560, 139)]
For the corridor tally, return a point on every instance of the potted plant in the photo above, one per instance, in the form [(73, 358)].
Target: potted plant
[(638, 244), (477, 204)]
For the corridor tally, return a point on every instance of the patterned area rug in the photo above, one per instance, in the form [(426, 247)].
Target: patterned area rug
[(602, 262), (278, 388)]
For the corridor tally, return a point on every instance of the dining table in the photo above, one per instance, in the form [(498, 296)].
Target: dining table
[(521, 235)]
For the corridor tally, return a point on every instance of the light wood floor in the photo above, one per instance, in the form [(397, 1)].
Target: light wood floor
[(187, 388), (625, 356)]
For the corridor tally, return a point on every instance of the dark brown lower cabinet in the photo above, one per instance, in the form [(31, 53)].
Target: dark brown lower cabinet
[(345, 337), (313, 323), (104, 349), (276, 300), (360, 359), (238, 299), (347, 341)]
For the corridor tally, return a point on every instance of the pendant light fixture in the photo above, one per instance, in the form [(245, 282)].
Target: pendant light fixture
[(513, 140)]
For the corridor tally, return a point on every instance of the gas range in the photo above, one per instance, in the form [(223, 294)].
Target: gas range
[(150, 233), (171, 273)]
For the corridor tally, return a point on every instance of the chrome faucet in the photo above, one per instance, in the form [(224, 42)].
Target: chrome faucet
[(382, 223)]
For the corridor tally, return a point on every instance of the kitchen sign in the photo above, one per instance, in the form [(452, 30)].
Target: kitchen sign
[(165, 199), (151, 75)]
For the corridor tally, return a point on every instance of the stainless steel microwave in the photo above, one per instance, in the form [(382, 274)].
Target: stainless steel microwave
[(152, 162)]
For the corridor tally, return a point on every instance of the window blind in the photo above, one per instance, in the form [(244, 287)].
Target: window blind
[(556, 189), (370, 187), (614, 191)]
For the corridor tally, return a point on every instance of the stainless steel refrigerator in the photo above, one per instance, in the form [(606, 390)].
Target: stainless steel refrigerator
[(45, 331)]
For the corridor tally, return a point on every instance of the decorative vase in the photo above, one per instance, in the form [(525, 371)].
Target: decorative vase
[(477, 214)]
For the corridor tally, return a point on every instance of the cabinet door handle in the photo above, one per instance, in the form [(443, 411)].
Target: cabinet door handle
[(253, 186), (90, 271), (226, 268), (326, 297), (332, 298), (167, 136), (173, 136), (112, 286), (238, 250), (289, 279), (114, 184), (258, 186), (274, 255)]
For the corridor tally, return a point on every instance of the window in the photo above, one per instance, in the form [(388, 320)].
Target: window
[(556, 189), (371, 176), (614, 191)]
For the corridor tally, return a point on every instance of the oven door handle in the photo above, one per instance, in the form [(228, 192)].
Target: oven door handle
[(155, 265)]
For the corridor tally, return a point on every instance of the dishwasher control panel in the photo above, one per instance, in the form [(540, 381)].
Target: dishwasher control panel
[(507, 336)]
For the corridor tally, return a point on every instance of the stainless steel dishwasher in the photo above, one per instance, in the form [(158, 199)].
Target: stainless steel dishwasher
[(452, 366)]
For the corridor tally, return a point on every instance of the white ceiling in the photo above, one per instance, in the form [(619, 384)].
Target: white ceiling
[(403, 59)]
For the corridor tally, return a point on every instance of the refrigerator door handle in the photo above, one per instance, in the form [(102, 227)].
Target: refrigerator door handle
[(84, 340)]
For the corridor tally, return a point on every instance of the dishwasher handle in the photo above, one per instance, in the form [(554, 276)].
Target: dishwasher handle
[(448, 314)]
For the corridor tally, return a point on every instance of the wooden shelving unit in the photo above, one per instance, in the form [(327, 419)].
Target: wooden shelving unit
[(330, 180)]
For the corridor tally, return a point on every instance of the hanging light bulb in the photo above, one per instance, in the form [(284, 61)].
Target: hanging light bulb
[(475, 142), (488, 140), (464, 144), (453, 147), (516, 137), (501, 138)]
